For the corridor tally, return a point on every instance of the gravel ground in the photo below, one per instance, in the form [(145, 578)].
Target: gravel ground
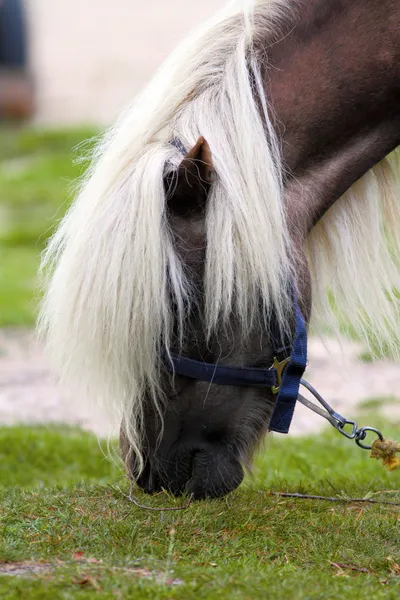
[(29, 395)]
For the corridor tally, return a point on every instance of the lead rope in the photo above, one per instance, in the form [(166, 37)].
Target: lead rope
[(381, 449)]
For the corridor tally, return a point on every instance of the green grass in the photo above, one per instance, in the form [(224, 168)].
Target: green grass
[(60, 456), (58, 504), (38, 169), (18, 280)]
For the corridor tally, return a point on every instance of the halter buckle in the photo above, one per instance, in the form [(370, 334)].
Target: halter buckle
[(279, 367)]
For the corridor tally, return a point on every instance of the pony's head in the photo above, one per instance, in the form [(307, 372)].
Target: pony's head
[(194, 253), (200, 435), (170, 252)]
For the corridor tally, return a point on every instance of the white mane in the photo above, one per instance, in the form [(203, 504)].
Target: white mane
[(354, 257), (106, 314)]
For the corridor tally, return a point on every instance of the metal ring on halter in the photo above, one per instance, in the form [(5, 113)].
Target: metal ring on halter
[(351, 436), (362, 434)]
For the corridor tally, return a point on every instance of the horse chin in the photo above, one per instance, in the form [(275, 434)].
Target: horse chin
[(200, 473)]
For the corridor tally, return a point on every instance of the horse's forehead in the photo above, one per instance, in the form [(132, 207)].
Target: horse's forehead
[(190, 240)]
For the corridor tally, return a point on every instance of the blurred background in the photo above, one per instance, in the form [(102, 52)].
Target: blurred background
[(67, 68)]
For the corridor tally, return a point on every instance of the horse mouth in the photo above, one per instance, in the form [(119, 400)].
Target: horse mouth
[(200, 474)]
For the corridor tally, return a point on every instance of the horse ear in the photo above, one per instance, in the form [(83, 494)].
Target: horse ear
[(188, 187)]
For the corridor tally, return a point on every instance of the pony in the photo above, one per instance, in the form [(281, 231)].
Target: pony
[(259, 159)]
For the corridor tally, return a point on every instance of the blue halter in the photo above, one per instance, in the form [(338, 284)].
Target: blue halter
[(283, 377)]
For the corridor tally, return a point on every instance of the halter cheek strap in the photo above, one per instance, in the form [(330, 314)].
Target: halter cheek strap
[(283, 377), (292, 375)]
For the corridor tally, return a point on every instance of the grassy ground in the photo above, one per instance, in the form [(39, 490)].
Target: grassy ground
[(59, 506), (37, 171)]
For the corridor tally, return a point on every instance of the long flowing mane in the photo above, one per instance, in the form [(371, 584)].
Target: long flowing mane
[(113, 273), (354, 257)]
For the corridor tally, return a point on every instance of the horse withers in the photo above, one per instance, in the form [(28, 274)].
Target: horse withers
[(252, 170)]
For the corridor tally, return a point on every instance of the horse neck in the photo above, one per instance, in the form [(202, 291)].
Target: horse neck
[(333, 83)]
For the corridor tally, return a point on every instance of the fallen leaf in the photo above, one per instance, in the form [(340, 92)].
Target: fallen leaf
[(88, 580), (396, 569), (78, 556)]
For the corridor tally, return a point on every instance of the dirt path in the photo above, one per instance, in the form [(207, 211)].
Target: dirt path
[(28, 394)]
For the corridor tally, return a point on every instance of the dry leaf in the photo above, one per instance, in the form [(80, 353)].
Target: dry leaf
[(88, 580), (78, 556)]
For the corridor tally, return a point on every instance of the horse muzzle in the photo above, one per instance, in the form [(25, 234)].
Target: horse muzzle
[(200, 473)]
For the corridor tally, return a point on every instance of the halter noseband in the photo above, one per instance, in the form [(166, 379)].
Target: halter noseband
[(283, 378)]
